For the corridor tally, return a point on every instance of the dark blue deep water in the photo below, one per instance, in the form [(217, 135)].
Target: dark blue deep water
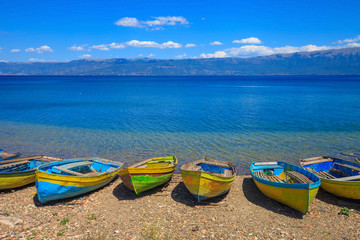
[(237, 119)]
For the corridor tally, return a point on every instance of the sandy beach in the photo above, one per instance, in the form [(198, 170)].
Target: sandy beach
[(171, 212)]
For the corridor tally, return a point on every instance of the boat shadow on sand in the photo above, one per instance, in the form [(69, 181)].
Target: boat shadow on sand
[(182, 195), (121, 192), (254, 195)]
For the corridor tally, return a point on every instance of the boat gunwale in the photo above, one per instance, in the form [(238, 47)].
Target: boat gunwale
[(40, 174), (313, 185)]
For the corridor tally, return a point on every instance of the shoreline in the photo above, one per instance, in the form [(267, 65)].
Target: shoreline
[(171, 212)]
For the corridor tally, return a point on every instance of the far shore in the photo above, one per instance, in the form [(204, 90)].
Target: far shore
[(171, 212)]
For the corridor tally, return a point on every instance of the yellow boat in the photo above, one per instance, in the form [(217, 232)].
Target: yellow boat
[(286, 183), (339, 177), (207, 178), (19, 172)]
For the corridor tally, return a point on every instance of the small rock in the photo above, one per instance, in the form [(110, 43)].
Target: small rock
[(10, 221), (195, 228)]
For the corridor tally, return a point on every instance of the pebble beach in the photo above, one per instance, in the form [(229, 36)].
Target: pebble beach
[(171, 212)]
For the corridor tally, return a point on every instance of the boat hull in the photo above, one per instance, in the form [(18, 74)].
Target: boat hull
[(15, 180), (140, 180), (204, 185), (345, 189), (299, 199)]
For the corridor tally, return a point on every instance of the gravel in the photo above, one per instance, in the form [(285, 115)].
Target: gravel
[(171, 212)]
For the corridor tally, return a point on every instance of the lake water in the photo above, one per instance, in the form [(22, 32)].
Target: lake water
[(236, 119)]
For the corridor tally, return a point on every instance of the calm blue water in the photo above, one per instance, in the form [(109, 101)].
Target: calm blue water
[(237, 119)]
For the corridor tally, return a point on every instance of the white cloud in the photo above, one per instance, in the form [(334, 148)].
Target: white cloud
[(151, 55), (84, 56), (30, 50), (101, 47), (249, 50), (40, 49), (128, 22), (3, 61), (152, 44), (350, 40), (170, 20), (43, 49), (36, 60), (353, 45), (15, 50), (181, 56), (254, 50), (190, 45), (307, 48), (154, 24), (216, 43), (76, 47), (117, 45), (217, 54), (170, 44), (250, 40)]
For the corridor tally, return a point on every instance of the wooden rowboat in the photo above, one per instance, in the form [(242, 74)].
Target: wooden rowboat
[(286, 183), (339, 177), (69, 178), (149, 173), (207, 178), (18, 172)]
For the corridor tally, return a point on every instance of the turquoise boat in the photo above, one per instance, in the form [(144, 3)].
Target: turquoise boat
[(286, 183), (69, 178), (338, 177)]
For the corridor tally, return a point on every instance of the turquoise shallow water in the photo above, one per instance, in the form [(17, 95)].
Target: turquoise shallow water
[(237, 119)]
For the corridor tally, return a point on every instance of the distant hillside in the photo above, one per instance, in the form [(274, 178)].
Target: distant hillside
[(329, 62)]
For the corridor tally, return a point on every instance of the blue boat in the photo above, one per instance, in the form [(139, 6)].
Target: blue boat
[(69, 178)]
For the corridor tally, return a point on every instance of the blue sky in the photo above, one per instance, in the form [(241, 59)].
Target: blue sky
[(36, 30)]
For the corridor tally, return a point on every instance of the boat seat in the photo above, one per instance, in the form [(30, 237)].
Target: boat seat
[(324, 174), (300, 178), (357, 177), (71, 172), (348, 166), (272, 178), (76, 164)]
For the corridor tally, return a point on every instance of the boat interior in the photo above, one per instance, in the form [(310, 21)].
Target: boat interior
[(155, 163), (332, 168), (82, 168), (272, 171), (211, 166)]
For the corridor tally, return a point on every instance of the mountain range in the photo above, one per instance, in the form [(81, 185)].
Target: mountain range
[(345, 61)]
